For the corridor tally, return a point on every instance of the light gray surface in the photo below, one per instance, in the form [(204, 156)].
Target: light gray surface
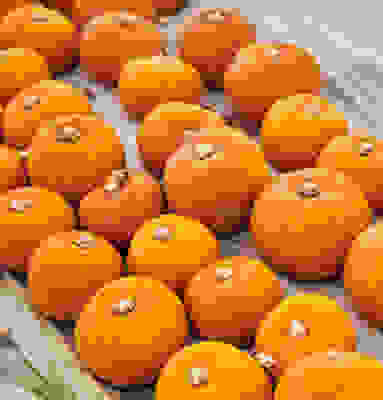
[(290, 26)]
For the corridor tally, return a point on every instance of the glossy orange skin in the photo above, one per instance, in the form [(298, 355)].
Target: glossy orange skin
[(55, 98), (293, 232), (362, 280), (200, 189), (24, 231), (92, 268), (146, 82), (343, 154), (166, 260), (55, 39), (73, 169), (221, 40), (328, 326), (293, 134), (163, 130), (231, 374), (233, 308), (256, 79), (320, 376), (129, 349), (84, 10), (106, 45), (12, 173), (19, 69), (8, 5), (117, 216)]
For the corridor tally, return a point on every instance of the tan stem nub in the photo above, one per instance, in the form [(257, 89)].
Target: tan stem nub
[(116, 180), (163, 20), (126, 18), (209, 107), (216, 16), (85, 242), (309, 189), (31, 101), (366, 148), (332, 354), (23, 155), (308, 51), (164, 51), (162, 233), (199, 376), (205, 151), (223, 274), (112, 186), (191, 132), (4, 53), (67, 134), (38, 18), (275, 52), (121, 174), (92, 23), (125, 306), (19, 206), (298, 329), (266, 361), (275, 55)]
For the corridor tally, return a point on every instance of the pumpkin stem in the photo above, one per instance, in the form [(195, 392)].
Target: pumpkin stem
[(23, 155), (38, 18), (366, 148), (216, 16), (30, 101), (209, 107), (309, 189), (67, 134), (126, 18), (275, 52), (162, 233), (164, 51), (332, 354), (121, 174), (116, 180), (85, 242), (199, 376), (298, 329), (223, 274), (19, 205), (266, 361), (124, 306), (112, 186), (205, 151)]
